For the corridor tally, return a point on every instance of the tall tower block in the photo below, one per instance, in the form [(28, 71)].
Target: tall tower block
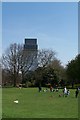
[(31, 50), (31, 45)]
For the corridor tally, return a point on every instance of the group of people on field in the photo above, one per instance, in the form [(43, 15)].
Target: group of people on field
[(66, 92), (45, 90)]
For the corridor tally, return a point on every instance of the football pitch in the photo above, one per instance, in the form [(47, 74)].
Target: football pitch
[(34, 104)]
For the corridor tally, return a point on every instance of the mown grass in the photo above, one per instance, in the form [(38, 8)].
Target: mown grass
[(0, 103), (33, 104)]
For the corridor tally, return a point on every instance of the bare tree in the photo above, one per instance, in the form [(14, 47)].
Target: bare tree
[(45, 56), (28, 63), (18, 62), (11, 59)]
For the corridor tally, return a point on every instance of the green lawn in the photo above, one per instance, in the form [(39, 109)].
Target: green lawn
[(0, 103), (33, 104)]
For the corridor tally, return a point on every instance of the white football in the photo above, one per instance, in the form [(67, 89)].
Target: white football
[(16, 101)]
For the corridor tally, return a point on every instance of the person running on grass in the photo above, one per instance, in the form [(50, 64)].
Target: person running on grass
[(76, 93), (65, 92)]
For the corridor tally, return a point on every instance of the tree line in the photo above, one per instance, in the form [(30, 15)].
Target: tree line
[(31, 69)]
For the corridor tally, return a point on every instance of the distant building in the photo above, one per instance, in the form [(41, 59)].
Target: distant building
[(31, 45), (30, 51)]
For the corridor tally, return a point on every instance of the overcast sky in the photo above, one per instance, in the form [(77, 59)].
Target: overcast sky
[(55, 25)]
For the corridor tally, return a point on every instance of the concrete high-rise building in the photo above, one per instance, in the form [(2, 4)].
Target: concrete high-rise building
[(30, 51), (31, 45)]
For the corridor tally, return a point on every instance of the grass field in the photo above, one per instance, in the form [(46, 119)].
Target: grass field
[(0, 103), (33, 104)]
